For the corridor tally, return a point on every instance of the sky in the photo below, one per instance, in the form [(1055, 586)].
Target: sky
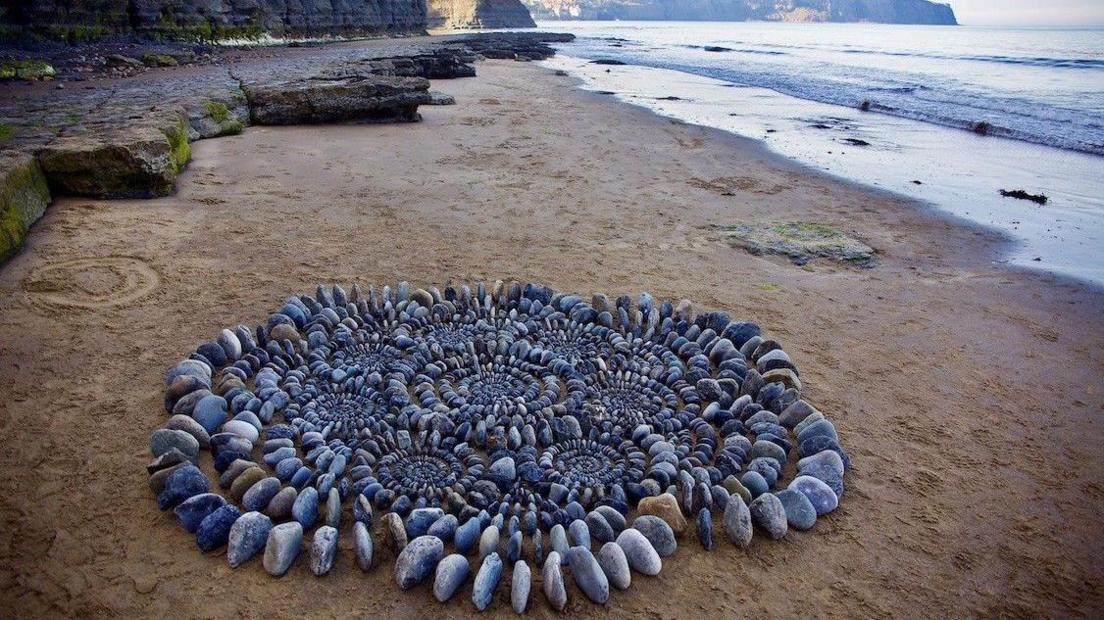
[(1029, 12)]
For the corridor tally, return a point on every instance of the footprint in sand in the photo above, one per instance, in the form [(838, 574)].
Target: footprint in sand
[(90, 283)]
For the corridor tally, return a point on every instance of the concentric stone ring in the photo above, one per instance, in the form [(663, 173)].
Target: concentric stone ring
[(509, 420)]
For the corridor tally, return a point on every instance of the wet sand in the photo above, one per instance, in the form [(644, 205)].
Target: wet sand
[(968, 393)]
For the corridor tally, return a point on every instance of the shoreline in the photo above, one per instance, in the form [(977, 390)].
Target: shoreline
[(1058, 239), (948, 508)]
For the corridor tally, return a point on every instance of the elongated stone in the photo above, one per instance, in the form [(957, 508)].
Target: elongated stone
[(639, 552), (247, 537), (737, 521), (486, 581), (588, 574), (417, 560), (520, 583), (323, 550), (284, 542), (552, 577), (611, 557), (451, 573), (362, 541)]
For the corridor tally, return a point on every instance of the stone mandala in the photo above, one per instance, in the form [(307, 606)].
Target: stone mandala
[(514, 425)]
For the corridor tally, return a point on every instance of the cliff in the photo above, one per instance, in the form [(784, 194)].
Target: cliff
[(881, 11), (478, 14), (209, 19)]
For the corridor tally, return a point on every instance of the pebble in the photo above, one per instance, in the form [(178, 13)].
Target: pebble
[(820, 495), (826, 466), (305, 508), (394, 534), (558, 537), (486, 581), (520, 584), (284, 542), (705, 528), (599, 528), (513, 547), (234, 470), (615, 519), (737, 521), (192, 511), (279, 507), (417, 524), (188, 425), (658, 533), (333, 508), (258, 495), (733, 485), (488, 541), (417, 559), (247, 537), (211, 412), (244, 481), (552, 577), (664, 506), (611, 557), (768, 513), (362, 510), (362, 541), (467, 536), (183, 483), (800, 513), (242, 429), (755, 483), (639, 552), (323, 550), (588, 574), (214, 531), (444, 528), (164, 439), (451, 573), (580, 533)]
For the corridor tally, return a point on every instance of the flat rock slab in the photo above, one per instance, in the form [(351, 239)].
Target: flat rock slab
[(319, 100), (801, 242)]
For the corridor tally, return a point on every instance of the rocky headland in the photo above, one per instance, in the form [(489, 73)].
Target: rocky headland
[(111, 125)]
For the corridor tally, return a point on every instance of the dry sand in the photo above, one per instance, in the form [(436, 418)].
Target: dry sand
[(969, 394)]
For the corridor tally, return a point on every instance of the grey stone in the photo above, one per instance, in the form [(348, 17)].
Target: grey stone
[(639, 552), (611, 557), (284, 542)]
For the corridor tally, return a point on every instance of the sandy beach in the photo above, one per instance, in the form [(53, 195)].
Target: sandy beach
[(968, 393)]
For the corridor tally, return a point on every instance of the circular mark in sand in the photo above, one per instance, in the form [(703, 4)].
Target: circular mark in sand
[(90, 283)]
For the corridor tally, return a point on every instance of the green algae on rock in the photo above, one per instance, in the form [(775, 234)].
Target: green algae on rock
[(24, 196), (26, 70), (137, 161), (801, 242)]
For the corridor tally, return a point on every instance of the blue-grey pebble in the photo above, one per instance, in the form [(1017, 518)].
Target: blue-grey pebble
[(611, 557), (258, 495), (658, 533), (363, 544), (639, 552), (737, 521), (580, 533), (323, 550), (467, 536), (588, 574), (444, 528), (486, 581), (305, 508), (451, 573), (821, 496), (520, 583), (417, 524), (488, 541), (800, 513), (705, 528), (768, 513), (247, 537), (214, 531), (552, 577), (192, 511), (183, 483), (417, 559), (283, 545)]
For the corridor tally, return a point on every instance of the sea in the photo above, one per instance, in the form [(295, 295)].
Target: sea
[(947, 115)]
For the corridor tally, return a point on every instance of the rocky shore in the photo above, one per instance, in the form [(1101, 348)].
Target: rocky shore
[(122, 127)]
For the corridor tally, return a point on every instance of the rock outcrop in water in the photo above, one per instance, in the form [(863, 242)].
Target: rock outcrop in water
[(881, 11), (210, 19), (478, 14)]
